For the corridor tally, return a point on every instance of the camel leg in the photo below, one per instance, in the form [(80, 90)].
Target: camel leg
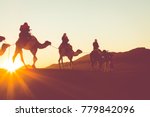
[(34, 57), (15, 54), (111, 66), (18, 51), (71, 62), (108, 66), (100, 65), (59, 62), (62, 63), (105, 66), (21, 56), (93, 64), (34, 61)]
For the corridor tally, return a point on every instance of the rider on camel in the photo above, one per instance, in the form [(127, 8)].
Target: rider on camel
[(95, 45), (65, 43), (24, 34), (65, 39)]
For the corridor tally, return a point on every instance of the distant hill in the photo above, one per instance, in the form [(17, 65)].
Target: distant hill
[(135, 59)]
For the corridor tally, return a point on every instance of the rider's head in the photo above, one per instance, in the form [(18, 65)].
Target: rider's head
[(26, 23), (104, 51), (95, 40), (64, 34)]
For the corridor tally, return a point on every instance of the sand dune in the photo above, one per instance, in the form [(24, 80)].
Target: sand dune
[(134, 60)]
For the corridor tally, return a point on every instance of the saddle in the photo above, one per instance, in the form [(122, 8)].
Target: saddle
[(23, 40), (97, 51), (97, 54), (65, 47)]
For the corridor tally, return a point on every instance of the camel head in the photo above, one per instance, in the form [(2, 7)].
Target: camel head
[(77, 52), (47, 43), (5, 46), (2, 38)]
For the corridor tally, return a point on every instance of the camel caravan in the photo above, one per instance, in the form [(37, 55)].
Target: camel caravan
[(102, 59)]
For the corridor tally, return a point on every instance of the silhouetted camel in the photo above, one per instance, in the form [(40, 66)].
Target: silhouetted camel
[(67, 52), (107, 61), (96, 58), (3, 48), (33, 45), (101, 58)]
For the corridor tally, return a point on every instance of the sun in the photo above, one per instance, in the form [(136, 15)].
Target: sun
[(10, 66)]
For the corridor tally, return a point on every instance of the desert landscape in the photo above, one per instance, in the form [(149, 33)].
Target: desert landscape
[(129, 80), (39, 34)]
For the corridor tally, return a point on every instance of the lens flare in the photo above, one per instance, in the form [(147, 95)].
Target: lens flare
[(10, 66)]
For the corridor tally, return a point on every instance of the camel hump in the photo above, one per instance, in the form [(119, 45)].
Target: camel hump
[(24, 42), (96, 52), (33, 38)]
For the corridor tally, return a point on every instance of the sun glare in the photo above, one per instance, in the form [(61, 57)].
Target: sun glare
[(10, 66)]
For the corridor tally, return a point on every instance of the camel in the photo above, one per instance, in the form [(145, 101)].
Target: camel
[(96, 58), (33, 45), (107, 61), (68, 52), (103, 58)]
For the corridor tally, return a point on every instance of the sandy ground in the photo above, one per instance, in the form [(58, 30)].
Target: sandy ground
[(47, 84)]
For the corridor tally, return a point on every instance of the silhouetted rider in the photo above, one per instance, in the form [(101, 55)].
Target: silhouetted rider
[(65, 39), (24, 34), (95, 45), (65, 43)]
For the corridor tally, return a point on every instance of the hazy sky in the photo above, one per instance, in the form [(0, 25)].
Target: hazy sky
[(119, 25)]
